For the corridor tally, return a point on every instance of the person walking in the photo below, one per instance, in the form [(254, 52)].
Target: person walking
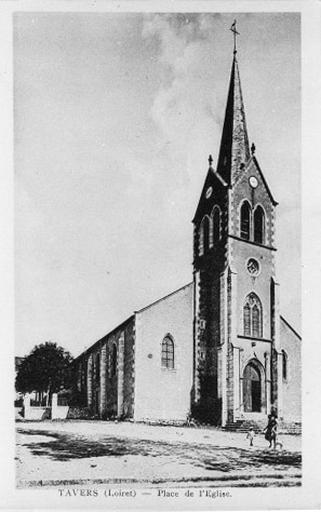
[(267, 430), (274, 431), (271, 430)]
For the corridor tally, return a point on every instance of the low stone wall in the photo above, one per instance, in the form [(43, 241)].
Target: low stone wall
[(80, 413), (36, 413), (59, 412), (55, 412), (63, 412)]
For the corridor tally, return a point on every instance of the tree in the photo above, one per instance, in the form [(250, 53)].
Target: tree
[(47, 369)]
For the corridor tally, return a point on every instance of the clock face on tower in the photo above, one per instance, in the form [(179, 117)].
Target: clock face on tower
[(253, 181)]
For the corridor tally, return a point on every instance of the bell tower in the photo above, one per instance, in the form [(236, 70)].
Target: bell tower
[(236, 312)]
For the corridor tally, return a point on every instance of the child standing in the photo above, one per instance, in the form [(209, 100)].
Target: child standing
[(251, 435)]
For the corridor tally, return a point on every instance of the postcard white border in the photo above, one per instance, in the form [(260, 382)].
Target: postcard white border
[(305, 497)]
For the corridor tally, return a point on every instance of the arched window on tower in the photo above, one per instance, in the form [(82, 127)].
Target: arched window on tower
[(284, 365), (245, 220), (247, 320), (168, 353), (204, 235), (201, 241), (252, 316), (216, 224), (256, 321), (259, 225)]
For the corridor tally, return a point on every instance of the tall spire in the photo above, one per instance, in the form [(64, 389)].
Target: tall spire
[(234, 149)]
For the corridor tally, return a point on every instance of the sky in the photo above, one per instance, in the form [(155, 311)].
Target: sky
[(114, 118)]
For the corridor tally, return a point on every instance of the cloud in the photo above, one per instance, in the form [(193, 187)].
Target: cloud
[(184, 104)]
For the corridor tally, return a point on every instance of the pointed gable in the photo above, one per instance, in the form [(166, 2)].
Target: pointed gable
[(234, 148), (274, 202), (215, 182), (249, 168)]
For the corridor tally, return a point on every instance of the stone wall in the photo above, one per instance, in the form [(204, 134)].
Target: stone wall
[(79, 413), (110, 376), (129, 370), (257, 350), (257, 196), (209, 323)]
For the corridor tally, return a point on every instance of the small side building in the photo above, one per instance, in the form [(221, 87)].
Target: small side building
[(291, 372)]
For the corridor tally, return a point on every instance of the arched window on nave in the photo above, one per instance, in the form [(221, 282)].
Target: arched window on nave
[(259, 225), (97, 368), (167, 353), (245, 223), (113, 361), (83, 377), (284, 365), (252, 316)]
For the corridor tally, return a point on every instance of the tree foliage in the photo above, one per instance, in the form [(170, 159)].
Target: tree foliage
[(46, 369)]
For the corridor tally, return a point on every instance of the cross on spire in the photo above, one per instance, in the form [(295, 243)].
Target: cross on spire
[(235, 34)]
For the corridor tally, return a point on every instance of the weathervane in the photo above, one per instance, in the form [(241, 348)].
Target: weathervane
[(235, 33)]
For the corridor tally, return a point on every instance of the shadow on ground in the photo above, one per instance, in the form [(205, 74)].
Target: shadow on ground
[(64, 447)]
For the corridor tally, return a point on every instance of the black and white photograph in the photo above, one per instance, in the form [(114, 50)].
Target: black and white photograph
[(157, 175)]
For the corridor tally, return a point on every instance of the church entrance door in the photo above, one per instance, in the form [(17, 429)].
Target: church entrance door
[(251, 389)]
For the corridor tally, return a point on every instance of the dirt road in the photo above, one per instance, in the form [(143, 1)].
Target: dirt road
[(98, 452)]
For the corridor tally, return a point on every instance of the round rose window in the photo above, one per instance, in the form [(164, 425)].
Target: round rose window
[(253, 267)]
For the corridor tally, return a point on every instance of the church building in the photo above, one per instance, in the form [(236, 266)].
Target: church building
[(218, 348)]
